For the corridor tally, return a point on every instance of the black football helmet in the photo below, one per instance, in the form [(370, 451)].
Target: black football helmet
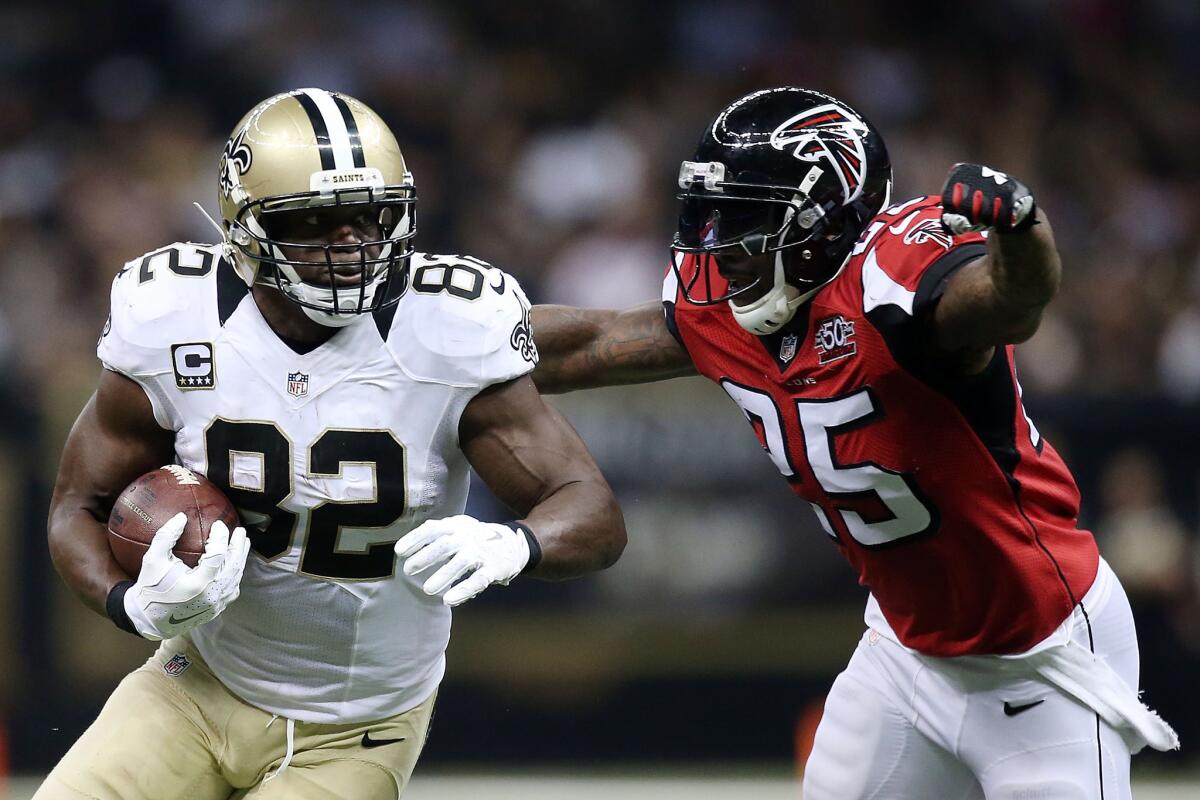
[(788, 171)]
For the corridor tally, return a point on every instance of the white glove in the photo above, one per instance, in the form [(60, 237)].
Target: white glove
[(473, 555), (169, 597)]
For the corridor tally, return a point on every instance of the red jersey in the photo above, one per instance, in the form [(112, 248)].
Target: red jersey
[(959, 517)]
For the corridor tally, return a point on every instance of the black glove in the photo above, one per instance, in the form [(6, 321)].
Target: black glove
[(978, 197)]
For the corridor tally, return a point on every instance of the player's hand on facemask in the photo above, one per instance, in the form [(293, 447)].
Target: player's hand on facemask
[(977, 197), (169, 597), (473, 555)]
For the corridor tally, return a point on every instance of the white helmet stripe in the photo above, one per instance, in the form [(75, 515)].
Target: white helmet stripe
[(335, 127)]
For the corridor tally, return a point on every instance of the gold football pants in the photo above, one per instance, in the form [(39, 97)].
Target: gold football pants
[(172, 731)]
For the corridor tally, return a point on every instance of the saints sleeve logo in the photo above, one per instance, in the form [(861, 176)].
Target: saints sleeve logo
[(235, 161), (107, 330), (522, 337), (832, 135)]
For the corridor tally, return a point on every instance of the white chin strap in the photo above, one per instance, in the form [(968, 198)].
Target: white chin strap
[(329, 319), (774, 309), (323, 296)]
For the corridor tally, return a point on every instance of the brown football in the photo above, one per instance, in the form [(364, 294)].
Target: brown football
[(150, 501)]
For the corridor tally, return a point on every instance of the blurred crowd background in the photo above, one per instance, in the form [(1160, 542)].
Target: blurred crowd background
[(545, 138)]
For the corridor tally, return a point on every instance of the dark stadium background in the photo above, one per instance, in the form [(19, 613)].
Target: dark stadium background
[(545, 138)]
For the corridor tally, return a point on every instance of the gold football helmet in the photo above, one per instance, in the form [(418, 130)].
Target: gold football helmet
[(298, 160)]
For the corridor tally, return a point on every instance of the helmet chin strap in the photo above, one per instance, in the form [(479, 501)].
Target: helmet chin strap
[(773, 310), (331, 320), (325, 297), (776, 308), (320, 296)]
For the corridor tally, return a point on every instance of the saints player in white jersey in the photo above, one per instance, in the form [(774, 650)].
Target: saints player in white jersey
[(337, 386)]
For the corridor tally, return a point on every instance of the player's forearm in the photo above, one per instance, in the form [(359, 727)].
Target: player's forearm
[(79, 548), (535, 463), (564, 335), (1026, 268), (581, 348), (580, 529), (999, 299)]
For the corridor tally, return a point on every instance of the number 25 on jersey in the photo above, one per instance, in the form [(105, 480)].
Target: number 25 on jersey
[(878, 506)]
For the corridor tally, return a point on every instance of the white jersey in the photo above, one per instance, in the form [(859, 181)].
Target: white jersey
[(330, 456)]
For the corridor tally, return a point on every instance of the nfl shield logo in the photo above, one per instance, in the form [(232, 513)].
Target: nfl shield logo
[(297, 384), (787, 350), (176, 665)]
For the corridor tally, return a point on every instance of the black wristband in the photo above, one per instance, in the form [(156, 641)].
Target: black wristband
[(114, 606), (535, 547)]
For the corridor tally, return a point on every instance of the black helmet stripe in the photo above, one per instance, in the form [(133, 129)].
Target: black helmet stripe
[(319, 129), (331, 130), (356, 150)]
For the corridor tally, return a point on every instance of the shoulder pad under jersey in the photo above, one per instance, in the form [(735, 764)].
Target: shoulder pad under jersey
[(163, 298), (907, 254), (462, 322)]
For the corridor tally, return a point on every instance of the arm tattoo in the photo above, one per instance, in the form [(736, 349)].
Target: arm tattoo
[(584, 348)]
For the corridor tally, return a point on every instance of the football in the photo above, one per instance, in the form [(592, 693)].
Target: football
[(151, 500)]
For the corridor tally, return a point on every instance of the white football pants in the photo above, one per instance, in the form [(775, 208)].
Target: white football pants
[(902, 726)]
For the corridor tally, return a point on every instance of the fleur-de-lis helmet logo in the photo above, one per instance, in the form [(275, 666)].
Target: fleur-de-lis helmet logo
[(235, 161)]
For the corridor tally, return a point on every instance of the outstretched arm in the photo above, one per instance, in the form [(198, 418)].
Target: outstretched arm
[(583, 348), (998, 299)]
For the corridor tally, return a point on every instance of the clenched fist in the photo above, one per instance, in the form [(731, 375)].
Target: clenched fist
[(977, 197)]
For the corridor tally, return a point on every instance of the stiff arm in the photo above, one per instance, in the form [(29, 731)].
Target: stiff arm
[(583, 348)]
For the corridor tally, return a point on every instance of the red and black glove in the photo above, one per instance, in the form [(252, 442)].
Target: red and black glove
[(978, 197)]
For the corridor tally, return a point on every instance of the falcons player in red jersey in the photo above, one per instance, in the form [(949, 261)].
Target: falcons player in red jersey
[(871, 348)]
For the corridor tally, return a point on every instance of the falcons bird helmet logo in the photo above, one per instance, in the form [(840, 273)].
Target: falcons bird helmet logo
[(832, 134)]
